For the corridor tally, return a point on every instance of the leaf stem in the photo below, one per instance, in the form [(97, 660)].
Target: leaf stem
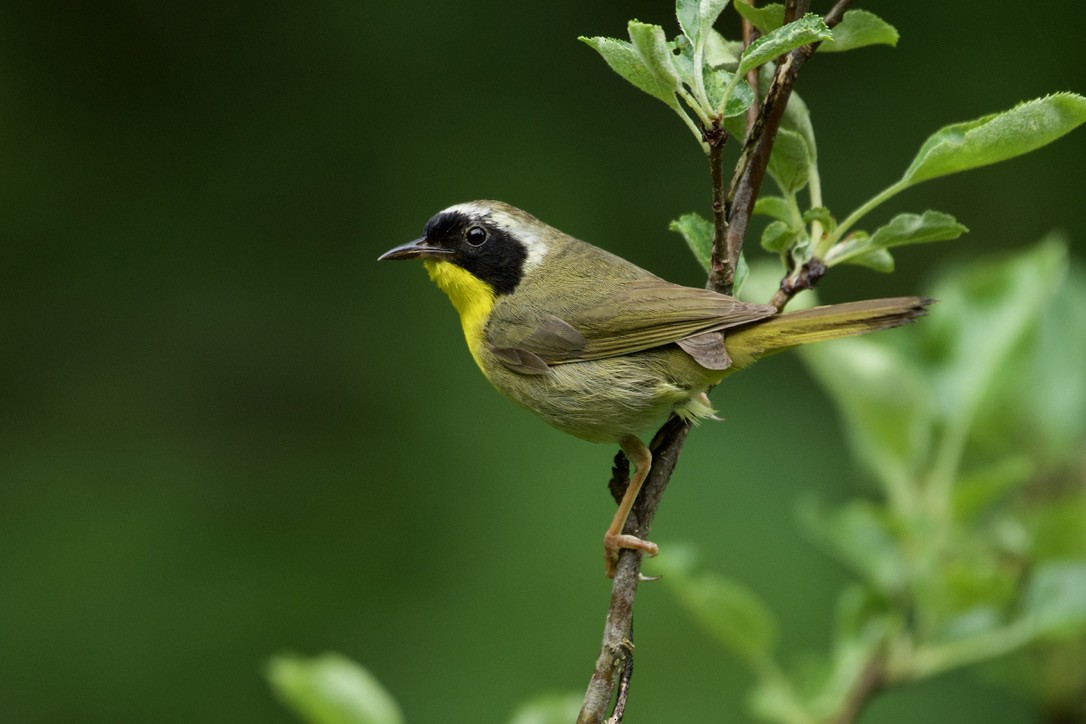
[(793, 209), (814, 189), (839, 233), (944, 471), (928, 661), (694, 130), (695, 106), (699, 71)]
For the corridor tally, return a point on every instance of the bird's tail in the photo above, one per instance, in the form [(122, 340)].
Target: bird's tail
[(765, 337)]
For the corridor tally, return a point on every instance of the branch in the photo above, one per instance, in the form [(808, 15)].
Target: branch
[(617, 648), (731, 214)]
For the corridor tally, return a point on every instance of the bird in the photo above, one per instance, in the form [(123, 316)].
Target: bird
[(598, 347)]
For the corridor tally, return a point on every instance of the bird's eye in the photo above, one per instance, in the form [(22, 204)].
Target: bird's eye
[(476, 235)]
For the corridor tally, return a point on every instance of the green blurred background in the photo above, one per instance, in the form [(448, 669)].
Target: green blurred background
[(225, 431)]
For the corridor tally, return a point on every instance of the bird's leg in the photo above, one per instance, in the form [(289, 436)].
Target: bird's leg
[(614, 539)]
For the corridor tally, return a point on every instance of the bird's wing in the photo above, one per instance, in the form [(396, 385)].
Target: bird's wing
[(640, 314)]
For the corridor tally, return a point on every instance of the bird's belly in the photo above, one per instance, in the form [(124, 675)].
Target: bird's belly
[(604, 400)]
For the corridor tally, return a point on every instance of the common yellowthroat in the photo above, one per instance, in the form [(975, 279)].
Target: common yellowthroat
[(599, 347)]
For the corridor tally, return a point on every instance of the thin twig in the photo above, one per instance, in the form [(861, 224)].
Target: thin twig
[(837, 12), (721, 265), (750, 34), (753, 161), (795, 9), (870, 680), (806, 277)]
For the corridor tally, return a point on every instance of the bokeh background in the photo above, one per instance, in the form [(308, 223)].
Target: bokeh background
[(226, 432)]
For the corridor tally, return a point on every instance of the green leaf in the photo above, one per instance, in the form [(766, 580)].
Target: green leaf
[(683, 60), (855, 244), (1059, 528), (857, 607), (975, 622), (879, 260), (860, 536), (860, 28), (627, 62), (698, 233), (797, 117), (778, 237), (886, 403), (808, 29), (822, 215), (727, 609), (1056, 599), (1047, 416), (773, 206), (985, 311), (862, 627), (331, 689), (720, 60), (549, 709), (736, 125), (721, 52), (978, 490), (997, 137), (903, 229), (742, 271), (688, 14), (774, 699), (696, 17), (857, 249), (766, 18), (651, 44), (790, 161), (917, 229), (731, 612), (971, 582), (739, 100)]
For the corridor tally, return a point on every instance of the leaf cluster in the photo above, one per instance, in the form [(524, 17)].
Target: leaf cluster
[(975, 546), (798, 235), (699, 74)]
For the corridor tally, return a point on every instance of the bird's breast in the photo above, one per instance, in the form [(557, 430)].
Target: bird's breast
[(473, 299)]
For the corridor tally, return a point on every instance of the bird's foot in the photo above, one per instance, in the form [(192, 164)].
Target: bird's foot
[(613, 543)]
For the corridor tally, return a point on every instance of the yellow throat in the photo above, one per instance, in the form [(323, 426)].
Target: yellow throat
[(472, 297)]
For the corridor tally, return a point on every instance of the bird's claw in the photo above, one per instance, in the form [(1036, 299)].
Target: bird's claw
[(613, 543)]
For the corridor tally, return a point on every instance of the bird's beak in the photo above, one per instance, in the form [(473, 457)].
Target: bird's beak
[(417, 249)]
